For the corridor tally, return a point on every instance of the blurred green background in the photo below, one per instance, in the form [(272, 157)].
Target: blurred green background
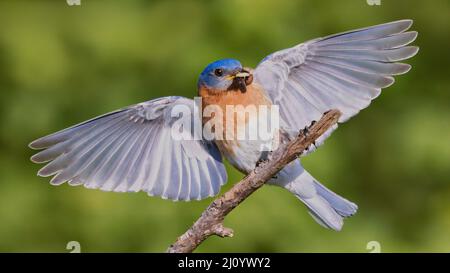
[(60, 65)]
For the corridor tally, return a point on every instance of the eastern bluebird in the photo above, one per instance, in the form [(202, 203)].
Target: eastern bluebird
[(133, 149)]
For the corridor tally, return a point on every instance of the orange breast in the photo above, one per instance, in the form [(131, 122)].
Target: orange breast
[(254, 97)]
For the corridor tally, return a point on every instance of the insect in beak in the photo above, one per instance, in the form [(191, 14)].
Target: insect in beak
[(242, 74), (241, 80)]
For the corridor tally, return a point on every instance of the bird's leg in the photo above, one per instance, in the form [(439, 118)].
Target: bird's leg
[(260, 161), (264, 157)]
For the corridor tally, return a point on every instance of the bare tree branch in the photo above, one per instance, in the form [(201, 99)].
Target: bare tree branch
[(211, 220)]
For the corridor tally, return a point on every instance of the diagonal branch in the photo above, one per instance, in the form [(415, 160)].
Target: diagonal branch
[(211, 220)]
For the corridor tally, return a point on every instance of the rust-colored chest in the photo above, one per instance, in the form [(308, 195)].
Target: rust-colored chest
[(225, 101), (242, 105)]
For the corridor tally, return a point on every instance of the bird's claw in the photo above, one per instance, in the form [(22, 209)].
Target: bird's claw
[(260, 161), (305, 131)]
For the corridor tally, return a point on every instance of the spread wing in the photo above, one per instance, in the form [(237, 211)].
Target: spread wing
[(134, 149), (343, 71)]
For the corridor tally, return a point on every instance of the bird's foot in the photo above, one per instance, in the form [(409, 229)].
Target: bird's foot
[(260, 161), (305, 131)]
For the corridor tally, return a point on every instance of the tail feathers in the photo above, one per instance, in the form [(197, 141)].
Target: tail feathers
[(323, 213), (341, 205), (325, 206)]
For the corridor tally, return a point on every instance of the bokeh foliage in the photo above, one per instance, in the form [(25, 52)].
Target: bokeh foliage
[(60, 65)]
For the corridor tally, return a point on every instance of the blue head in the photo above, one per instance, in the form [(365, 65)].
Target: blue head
[(224, 75)]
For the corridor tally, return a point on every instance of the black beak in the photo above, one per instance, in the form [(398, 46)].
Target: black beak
[(241, 80)]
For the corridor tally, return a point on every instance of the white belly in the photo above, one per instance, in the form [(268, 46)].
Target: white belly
[(245, 155), (248, 153), (246, 149)]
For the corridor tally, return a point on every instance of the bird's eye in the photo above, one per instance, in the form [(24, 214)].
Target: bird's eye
[(218, 72)]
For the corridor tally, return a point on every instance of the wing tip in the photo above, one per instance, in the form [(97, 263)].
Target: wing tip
[(36, 144), (408, 21), (43, 172), (414, 51), (41, 157), (408, 52), (35, 159), (414, 35), (404, 24), (403, 69), (388, 81)]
